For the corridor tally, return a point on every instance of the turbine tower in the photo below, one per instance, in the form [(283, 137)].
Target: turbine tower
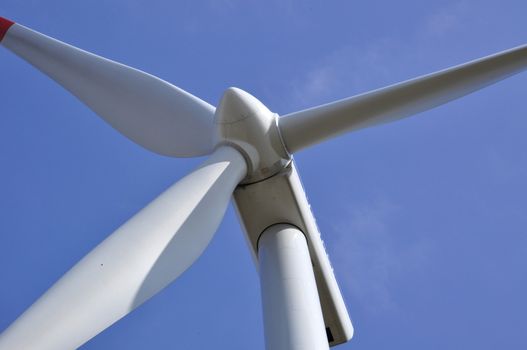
[(250, 158)]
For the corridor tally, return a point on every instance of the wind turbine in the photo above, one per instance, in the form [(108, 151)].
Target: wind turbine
[(250, 154)]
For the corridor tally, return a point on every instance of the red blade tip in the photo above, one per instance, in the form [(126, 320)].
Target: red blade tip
[(5, 24)]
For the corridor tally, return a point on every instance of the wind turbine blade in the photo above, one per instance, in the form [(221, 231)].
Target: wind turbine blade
[(146, 109), (134, 263), (308, 127)]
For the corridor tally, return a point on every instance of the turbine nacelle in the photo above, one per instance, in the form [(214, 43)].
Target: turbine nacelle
[(245, 123)]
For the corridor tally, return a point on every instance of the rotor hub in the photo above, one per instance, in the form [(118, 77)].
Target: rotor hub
[(245, 123)]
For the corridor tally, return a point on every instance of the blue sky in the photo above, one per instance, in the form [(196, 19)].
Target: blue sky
[(424, 219)]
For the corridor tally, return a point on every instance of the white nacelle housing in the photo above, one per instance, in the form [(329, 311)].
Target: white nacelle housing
[(246, 124)]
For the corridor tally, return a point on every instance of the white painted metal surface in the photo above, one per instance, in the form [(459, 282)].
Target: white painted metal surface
[(311, 126), (281, 199), (138, 260), (292, 314), (155, 114), (245, 123)]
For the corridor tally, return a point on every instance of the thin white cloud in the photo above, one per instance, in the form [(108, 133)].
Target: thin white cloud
[(352, 69), (347, 71), (365, 246), (446, 20)]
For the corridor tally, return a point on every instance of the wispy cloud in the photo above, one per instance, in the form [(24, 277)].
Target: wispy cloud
[(375, 260), (352, 69), (346, 71), (446, 19)]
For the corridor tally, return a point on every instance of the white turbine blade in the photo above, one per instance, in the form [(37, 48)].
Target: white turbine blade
[(146, 109), (134, 263), (305, 128)]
